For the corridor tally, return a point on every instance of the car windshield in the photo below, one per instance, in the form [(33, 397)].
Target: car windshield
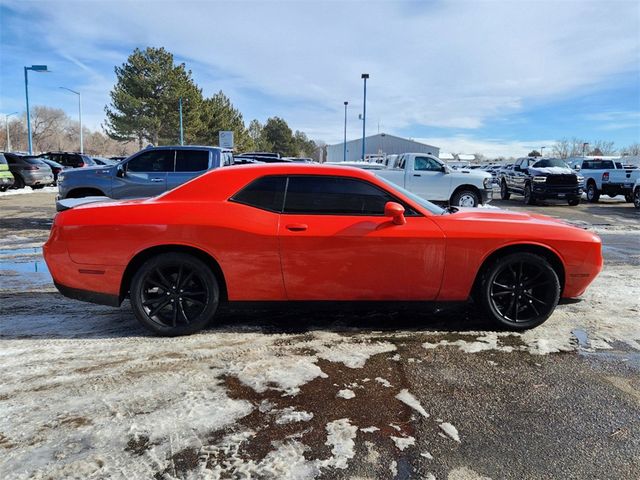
[(433, 208), (550, 162)]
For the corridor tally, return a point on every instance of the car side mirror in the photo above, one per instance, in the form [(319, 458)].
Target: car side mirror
[(396, 212), (577, 168), (445, 169), (120, 172)]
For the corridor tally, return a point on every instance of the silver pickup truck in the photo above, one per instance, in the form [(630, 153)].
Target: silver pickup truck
[(144, 174)]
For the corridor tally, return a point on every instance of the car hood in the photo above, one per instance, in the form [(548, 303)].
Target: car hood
[(86, 170), (551, 171), (507, 216), (471, 173)]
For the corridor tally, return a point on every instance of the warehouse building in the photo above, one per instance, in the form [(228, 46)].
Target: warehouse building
[(380, 144)]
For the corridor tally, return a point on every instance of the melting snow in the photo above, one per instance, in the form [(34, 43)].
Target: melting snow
[(403, 442), (346, 394), (451, 431), (384, 382), (405, 397)]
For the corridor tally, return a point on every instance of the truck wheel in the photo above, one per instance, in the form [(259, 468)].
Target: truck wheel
[(628, 197), (529, 198), (520, 290), (465, 198), (636, 198), (592, 192), (504, 191), (574, 201), (19, 182)]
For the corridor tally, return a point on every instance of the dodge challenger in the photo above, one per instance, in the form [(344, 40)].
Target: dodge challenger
[(296, 232)]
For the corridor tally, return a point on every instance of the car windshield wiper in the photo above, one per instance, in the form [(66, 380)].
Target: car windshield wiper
[(449, 210)]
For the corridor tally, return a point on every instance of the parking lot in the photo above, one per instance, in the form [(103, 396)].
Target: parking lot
[(406, 392)]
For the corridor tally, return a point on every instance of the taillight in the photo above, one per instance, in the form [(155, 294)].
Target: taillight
[(605, 177)]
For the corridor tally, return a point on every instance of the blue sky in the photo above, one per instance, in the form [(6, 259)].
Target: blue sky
[(493, 77)]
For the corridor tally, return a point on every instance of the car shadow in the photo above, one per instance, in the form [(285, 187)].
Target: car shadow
[(48, 315)]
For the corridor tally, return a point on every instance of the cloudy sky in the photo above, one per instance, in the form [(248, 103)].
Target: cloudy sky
[(495, 77)]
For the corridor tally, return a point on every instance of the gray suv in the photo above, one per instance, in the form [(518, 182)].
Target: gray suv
[(29, 171), (144, 174)]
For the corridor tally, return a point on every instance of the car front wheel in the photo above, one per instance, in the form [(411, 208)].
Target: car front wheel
[(592, 193), (504, 191), (636, 198), (465, 198), (520, 290), (574, 201), (174, 294), (529, 199)]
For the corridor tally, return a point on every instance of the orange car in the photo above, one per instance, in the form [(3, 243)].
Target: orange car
[(297, 232)]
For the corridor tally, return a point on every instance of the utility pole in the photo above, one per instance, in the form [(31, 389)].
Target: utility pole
[(6, 124), (344, 152), (181, 130), (364, 113), (79, 115), (35, 68)]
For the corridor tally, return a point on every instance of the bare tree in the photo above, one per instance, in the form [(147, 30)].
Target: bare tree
[(47, 126), (605, 147), (562, 148), (631, 150)]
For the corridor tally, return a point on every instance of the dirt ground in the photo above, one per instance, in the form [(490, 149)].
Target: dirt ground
[(267, 393)]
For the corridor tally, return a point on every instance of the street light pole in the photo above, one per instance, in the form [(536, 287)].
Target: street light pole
[(35, 68), (79, 115), (6, 123), (364, 113), (344, 152), (542, 150), (584, 146), (181, 131)]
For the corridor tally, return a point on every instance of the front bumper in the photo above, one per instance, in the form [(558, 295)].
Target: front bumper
[(486, 195), (557, 191)]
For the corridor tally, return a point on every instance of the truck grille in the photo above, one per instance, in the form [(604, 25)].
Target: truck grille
[(565, 179)]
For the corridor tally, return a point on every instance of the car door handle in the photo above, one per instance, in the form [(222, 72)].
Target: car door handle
[(417, 175), (297, 227), (157, 179)]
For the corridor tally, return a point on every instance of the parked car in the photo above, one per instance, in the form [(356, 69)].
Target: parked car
[(291, 232), (117, 158), (606, 177), (56, 168), (538, 178), (147, 173), (431, 179), (6, 177), (264, 157), (636, 193), (29, 170), (102, 161), (70, 159)]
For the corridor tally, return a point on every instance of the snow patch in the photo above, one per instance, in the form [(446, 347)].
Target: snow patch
[(427, 455), (369, 429), (346, 394), (291, 415), (407, 398), (353, 355), (28, 190), (340, 436), (403, 442), (451, 431), (384, 382)]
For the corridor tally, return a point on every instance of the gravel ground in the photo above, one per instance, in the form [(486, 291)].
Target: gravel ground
[(293, 393)]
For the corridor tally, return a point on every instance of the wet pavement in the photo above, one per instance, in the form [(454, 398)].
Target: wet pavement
[(562, 401)]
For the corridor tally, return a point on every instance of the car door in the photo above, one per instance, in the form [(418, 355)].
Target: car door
[(518, 175), (144, 175), (428, 179), (189, 163), (336, 244)]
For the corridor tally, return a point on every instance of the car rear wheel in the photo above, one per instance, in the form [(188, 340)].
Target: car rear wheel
[(529, 199), (574, 201), (592, 192), (465, 198), (628, 197), (520, 290), (19, 182), (504, 191), (174, 294), (636, 198)]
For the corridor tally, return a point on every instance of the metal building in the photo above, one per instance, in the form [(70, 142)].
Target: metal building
[(379, 144)]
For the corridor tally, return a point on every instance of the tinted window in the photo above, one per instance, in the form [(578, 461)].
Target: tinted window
[(33, 161), (266, 193), (154, 161), (607, 164), (550, 162), (425, 163), (334, 196), (3, 161), (192, 160)]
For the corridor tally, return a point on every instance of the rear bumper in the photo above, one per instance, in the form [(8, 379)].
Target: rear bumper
[(88, 296), (6, 181)]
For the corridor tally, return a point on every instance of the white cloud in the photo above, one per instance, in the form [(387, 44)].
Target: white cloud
[(437, 64)]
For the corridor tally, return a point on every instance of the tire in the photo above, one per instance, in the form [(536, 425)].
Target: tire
[(180, 313), (37, 187), (636, 198), (593, 195), (465, 198), (574, 201), (504, 191), (3, 188), (529, 198), (504, 284), (628, 197)]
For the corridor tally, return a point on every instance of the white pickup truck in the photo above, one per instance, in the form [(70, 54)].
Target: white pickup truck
[(604, 176), (430, 178)]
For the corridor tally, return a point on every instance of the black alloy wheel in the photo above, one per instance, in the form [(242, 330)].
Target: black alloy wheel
[(520, 290), (529, 199), (174, 294), (504, 191)]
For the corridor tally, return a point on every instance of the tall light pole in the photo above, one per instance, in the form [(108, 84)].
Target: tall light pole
[(344, 152), (6, 124), (35, 68), (79, 115), (364, 112), (181, 130), (542, 150), (584, 147)]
